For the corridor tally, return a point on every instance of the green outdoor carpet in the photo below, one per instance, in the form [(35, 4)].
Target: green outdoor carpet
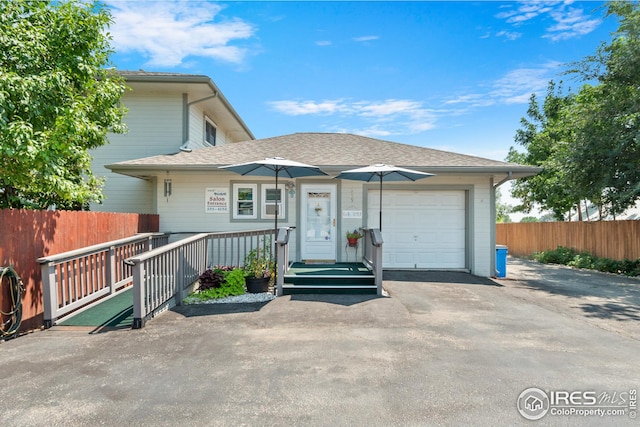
[(115, 312), (338, 269)]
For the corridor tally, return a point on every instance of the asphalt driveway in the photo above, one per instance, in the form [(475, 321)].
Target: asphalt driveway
[(442, 349)]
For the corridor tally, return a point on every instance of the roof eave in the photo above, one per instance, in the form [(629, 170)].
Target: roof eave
[(513, 171)]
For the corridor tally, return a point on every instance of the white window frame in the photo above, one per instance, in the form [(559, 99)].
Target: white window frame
[(236, 201), (207, 120), (263, 201)]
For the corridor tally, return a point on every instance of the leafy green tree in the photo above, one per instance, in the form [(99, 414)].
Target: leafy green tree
[(502, 209), (606, 117), (58, 99), (529, 219), (545, 139)]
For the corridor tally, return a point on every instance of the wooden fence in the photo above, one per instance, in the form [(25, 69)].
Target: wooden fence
[(26, 235), (608, 239)]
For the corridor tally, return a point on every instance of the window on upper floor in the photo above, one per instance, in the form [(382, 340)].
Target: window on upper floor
[(209, 131)]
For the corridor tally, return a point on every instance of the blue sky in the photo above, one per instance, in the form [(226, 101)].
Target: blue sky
[(455, 75)]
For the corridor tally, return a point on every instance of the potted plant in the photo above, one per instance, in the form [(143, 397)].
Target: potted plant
[(353, 236), (258, 270)]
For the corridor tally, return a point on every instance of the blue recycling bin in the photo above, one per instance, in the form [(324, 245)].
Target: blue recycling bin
[(501, 261)]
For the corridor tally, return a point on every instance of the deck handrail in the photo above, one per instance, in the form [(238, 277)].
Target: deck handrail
[(74, 279), (65, 256), (162, 277), (372, 255)]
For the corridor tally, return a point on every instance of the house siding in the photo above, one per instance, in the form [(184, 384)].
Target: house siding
[(184, 210), (197, 119), (481, 260), (154, 124), (352, 198)]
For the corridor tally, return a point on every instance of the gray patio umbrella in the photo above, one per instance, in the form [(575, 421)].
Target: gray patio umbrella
[(381, 172), (275, 166)]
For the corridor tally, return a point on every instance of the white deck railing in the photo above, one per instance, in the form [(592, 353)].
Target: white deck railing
[(372, 256), (163, 276), (74, 279)]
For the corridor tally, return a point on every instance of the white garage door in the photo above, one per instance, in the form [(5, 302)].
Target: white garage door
[(421, 229)]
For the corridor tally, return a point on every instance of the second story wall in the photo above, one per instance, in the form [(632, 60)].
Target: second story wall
[(154, 122), (198, 116), (166, 112)]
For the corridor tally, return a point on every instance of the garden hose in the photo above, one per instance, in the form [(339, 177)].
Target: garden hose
[(10, 327)]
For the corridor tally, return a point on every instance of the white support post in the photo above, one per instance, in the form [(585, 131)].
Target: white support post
[(281, 267), (139, 313), (282, 255), (111, 269), (49, 293), (180, 275), (378, 266), (377, 241)]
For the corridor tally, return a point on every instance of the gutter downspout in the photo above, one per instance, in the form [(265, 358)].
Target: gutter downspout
[(185, 118), (505, 179)]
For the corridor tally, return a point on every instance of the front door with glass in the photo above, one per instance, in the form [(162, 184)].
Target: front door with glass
[(318, 222)]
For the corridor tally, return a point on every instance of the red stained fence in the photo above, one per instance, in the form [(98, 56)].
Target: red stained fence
[(27, 235), (617, 240)]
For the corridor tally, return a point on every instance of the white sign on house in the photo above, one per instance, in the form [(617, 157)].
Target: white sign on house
[(351, 214), (216, 200)]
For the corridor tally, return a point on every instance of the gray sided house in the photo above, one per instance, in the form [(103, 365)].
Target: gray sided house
[(446, 221), (167, 113)]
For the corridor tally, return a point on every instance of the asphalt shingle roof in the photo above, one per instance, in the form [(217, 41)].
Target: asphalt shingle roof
[(330, 150)]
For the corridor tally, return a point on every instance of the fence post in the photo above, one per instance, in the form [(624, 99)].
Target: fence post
[(138, 296), (49, 293)]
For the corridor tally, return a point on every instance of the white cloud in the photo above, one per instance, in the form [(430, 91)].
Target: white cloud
[(569, 22), (365, 38), (472, 100), (386, 108), (528, 10), (515, 87), (302, 108), (510, 35), (167, 32), (323, 43), (386, 117), (374, 118)]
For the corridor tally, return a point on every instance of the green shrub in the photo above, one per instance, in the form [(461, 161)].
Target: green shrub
[(570, 257), (582, 260), (607, 265), (560, 255), (630, 267), (228, 282)]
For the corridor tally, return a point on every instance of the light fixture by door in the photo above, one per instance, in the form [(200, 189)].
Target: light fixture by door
[(167, 188)]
